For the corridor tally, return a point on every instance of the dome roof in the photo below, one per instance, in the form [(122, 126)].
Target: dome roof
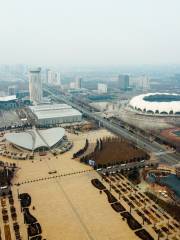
[(34, 138), (157, 103)]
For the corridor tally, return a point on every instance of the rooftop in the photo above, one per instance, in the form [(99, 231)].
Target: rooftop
[(34, 139), (46, 107), (54, 111), (160, 103), (8, 98)]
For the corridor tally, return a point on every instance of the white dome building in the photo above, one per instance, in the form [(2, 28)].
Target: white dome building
[(156, 104), (35, 140)]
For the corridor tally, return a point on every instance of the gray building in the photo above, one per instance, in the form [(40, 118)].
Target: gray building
[(35, 85), (123, 82), (8, 102), (11, 90), (55, 114)]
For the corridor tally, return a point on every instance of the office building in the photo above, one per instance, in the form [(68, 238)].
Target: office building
[(123, 82), (78, 82), (72, 85), (53, 77), (35, 85), (11, 90), (102, 88), (140, 83)]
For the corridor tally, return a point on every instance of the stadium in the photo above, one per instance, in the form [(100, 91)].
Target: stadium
[(36, 140), (161, 104)]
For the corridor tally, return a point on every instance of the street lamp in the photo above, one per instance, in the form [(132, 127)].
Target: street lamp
[(159, 234), (143, 211), (168, 231), (119, 194), (130, 209)]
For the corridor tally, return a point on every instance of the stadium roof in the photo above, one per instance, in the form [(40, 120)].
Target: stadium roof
[(34, 139), (8, 98), (157, 103)]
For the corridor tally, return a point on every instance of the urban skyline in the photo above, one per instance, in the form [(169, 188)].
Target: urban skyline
[(90, 120)]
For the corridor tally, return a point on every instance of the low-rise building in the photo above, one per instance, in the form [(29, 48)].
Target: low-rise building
[(8, 102), (55, 114)]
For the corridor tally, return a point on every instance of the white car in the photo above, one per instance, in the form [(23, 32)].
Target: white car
[(122, 165), (98, 169)]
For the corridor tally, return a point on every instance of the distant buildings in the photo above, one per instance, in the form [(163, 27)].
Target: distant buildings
[(53, 77), (45, 78), (102, 88), (123, 82), (22, 94), (13, 72), (140, 83), (35, 85), (72, 85), (78, 82), (11, 90)]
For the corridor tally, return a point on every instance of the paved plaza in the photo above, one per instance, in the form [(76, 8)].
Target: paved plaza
[(65, 202)]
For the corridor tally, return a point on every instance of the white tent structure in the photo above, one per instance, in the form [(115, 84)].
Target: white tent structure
[(36, 139)]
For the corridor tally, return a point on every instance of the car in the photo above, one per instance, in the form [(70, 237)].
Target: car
[(52, 172), (122, 165), (109, 167), (98, 169)]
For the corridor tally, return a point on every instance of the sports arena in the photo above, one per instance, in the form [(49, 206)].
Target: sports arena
[(36, 140), (161, 104)]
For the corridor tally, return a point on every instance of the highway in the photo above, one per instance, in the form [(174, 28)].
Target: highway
[(140, 141)]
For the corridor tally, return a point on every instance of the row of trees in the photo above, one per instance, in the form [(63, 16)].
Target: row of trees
[(99, 145), (81, 151), (113, 151), (6, 176)]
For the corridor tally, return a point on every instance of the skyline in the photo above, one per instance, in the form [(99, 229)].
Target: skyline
[(90, 33)]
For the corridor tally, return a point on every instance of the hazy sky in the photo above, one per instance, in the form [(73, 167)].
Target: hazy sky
[(102, 32)]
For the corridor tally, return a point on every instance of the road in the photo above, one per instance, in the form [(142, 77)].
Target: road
[(140, 141), (127, 166)]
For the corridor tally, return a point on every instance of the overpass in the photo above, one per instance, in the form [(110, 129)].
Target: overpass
[(140, 141)]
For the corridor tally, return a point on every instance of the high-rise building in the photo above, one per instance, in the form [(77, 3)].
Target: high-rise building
[(145, 83), (78, 82), (11, 90), (102, 88), (123, 82), (45, 76), (54, 77), (140, 83), (72, 85), (35, 85)]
